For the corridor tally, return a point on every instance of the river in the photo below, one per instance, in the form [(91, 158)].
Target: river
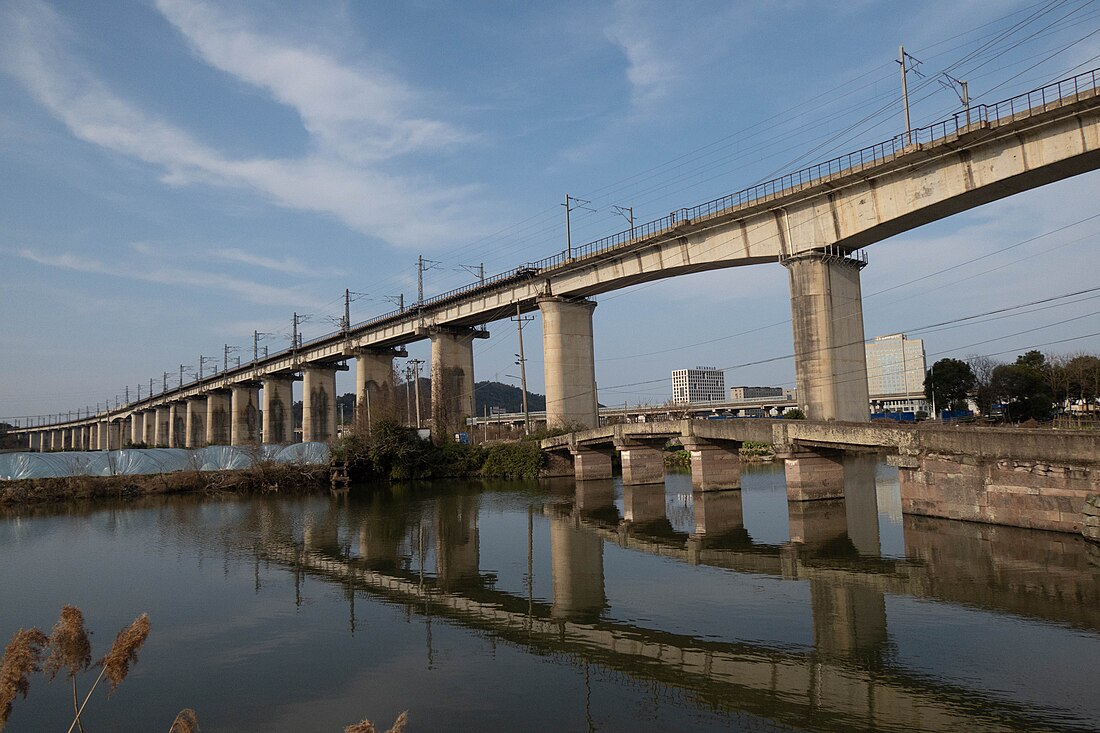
[(524, 606)]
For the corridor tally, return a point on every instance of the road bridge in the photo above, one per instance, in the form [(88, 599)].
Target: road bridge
[(1036, 478), (815, 222)]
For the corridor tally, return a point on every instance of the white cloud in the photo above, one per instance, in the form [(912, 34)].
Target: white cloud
[(327, 181), (650, 70), (358, 112), (288, 265), (177, 276)]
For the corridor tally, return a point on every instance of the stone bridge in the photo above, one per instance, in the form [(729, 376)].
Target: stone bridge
[(1036, 478)]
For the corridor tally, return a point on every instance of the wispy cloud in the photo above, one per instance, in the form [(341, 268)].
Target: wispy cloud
[(176, 276), (336, 178), (651, 71), (354, 111), (288, 265)]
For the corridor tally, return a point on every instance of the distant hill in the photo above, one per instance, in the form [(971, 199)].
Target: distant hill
[(488, 395)]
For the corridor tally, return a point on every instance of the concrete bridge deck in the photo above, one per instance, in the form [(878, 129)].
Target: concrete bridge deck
[(812, 221)]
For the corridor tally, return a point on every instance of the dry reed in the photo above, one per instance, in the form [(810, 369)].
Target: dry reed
[(116, 665), (22, 658), (365, 726), (69, 645), (186, 722)]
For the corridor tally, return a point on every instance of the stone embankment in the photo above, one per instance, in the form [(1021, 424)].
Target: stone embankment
[(1090, 527)]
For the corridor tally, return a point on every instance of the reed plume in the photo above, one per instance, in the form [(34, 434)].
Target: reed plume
[(365, 726), (186, 722), (116, 665), (70, 649), (69, 645), (22, 658)]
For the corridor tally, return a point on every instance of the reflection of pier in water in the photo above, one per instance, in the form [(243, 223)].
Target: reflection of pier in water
[(847, 680)]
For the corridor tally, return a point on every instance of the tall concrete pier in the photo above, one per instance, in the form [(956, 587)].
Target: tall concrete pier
[(244, 407), (570, 362), (452, 378), (374, 382), (830, 361), (318, 403), (217, 417), (278, 409)]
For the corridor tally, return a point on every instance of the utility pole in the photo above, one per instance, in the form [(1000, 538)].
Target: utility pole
[(963, 93), (182, 367), (571, 202), (905, 95), (345, 324), (294, 335), (421, 265), (522, 320), (139, 392), (164, 384), (127, 388), (408, 394), (627, 212)]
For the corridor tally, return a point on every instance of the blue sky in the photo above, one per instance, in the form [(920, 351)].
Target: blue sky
[(177, 174)]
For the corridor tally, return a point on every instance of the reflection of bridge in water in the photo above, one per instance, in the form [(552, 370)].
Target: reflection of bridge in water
[(846, 681)]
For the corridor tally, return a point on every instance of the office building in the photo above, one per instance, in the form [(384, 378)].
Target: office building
[(701, 384)]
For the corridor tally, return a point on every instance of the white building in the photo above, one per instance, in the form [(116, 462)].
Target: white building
[(895, 374), (701, 384)]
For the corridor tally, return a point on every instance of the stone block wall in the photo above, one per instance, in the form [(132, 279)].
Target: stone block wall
[(1090, 520), (1014, 493)]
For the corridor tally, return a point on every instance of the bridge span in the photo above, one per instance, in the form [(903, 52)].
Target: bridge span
[(1037, 478), (814, 222)]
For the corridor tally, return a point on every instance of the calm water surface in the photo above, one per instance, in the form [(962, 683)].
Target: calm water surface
[(516, 606)]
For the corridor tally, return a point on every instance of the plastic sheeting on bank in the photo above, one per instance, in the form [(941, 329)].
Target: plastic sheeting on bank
[(14, 466)]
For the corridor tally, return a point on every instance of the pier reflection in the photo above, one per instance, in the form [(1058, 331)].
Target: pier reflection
[(850, 675)]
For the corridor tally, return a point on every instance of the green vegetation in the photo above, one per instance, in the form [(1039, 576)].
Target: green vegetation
[(948, 383), (394, 452), (794, 414)]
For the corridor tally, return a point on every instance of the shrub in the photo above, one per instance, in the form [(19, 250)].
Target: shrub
[(513, 460)]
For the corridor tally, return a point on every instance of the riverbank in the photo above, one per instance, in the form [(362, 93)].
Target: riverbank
[(260, 478)]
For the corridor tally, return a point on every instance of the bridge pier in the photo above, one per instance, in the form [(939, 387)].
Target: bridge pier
[(137, 428), (244, 411), (374, 383), (194, 429), (161, 433), (576, 570), (217, 417), (149, 429), (830, 362), (458, 542), (318, 403), (814, 475), (125, 431), (177, 424), (718, 513), (452, 379), (569, 362), (643, 462), (714, 465), (644, 504), (114, 434), (278, 409), (591, 464)]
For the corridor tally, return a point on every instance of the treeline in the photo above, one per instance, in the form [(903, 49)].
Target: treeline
[(1035, 386)]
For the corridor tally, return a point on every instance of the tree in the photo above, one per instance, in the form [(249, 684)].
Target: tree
[(1083, 377), (1023, 391), (948, 383), (983, 367)]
